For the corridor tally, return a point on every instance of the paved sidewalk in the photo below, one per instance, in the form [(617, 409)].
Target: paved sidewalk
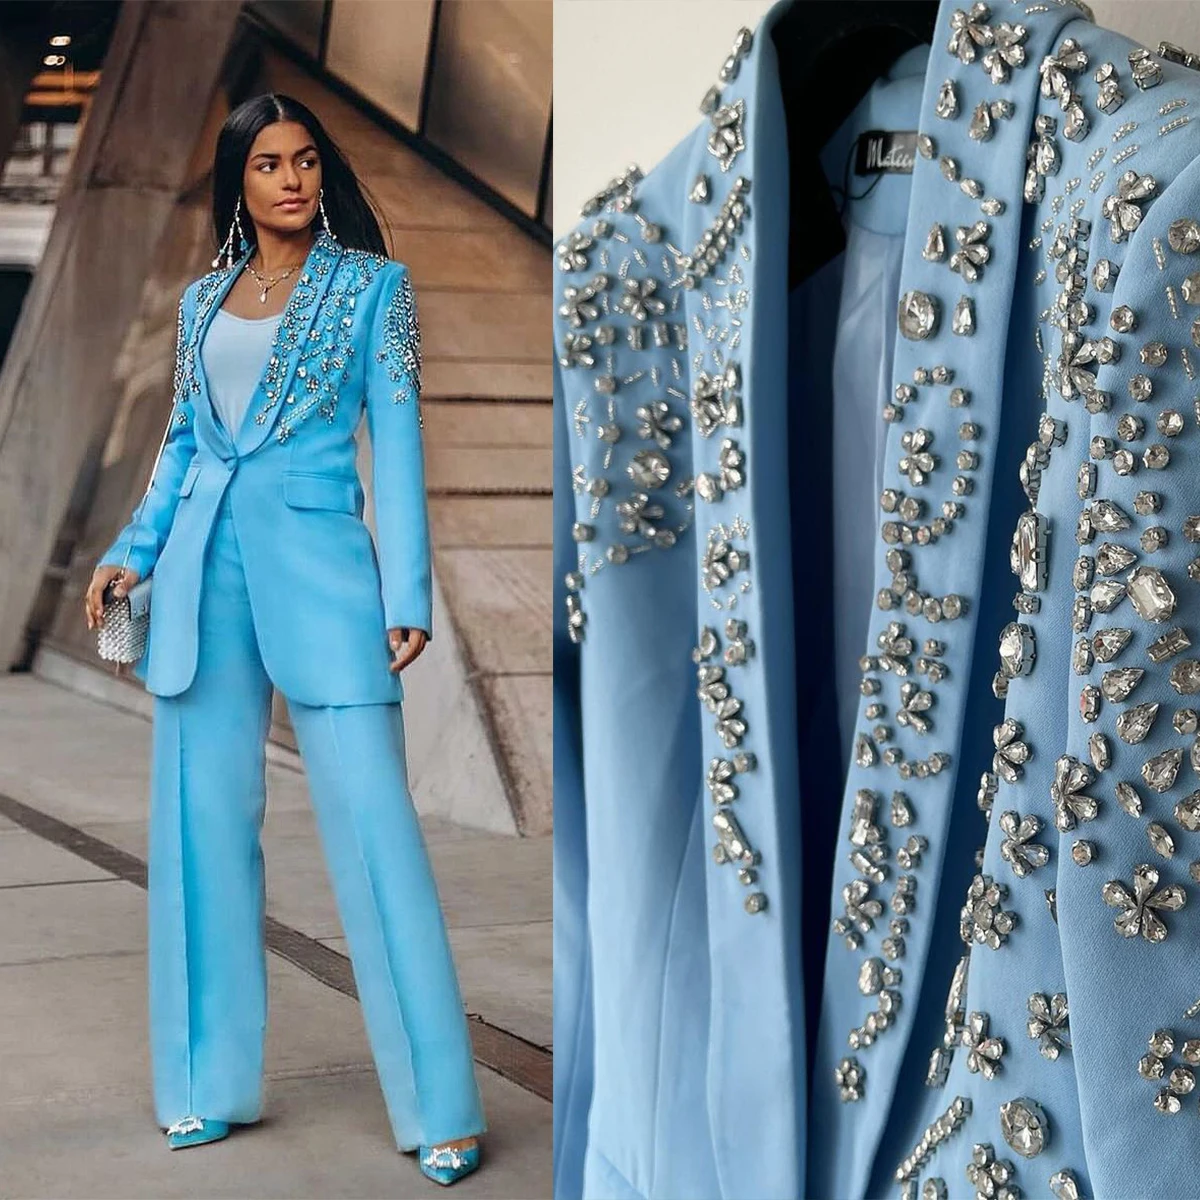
[(75, 1112)]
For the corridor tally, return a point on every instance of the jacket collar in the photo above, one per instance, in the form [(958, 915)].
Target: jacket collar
[(756, 1025), (948, 576), (291, 335)]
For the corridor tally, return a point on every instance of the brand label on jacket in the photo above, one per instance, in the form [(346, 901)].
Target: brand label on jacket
[(890, 150)]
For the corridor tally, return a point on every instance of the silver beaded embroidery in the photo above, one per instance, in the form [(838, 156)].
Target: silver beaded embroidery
[(1140, 904)]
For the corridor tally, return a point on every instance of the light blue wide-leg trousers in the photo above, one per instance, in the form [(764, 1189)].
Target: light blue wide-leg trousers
[(207, 896)]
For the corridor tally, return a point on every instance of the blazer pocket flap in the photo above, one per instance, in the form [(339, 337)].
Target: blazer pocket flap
[(189, 479), (319, 491)]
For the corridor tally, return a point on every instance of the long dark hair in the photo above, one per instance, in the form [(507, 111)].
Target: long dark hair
[(351, 218)]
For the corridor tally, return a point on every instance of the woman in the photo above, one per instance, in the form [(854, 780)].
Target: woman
[(266, 575)]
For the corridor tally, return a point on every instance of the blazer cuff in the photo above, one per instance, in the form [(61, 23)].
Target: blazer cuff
[(399, 618), (140, 560)]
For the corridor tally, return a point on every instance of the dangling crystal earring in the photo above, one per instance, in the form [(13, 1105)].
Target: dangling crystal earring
[(227, 246), (324, 217)]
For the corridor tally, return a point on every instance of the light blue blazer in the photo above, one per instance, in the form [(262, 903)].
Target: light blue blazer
[(323, 597), (958, 958)]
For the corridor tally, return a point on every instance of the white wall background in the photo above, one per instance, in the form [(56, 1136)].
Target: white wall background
[(629, 75)]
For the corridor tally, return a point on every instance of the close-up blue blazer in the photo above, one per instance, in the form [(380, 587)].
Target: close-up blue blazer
[(323, 597), (934, 933)]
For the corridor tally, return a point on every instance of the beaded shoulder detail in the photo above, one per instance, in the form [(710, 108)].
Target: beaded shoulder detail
[(400, 351)]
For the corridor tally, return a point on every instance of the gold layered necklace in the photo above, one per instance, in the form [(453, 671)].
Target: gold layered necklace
[(267, 282)]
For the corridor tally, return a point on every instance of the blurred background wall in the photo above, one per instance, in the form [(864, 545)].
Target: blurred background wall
[(108, 118)]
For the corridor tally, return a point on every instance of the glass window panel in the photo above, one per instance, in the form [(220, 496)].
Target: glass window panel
[(379, 48), (299, 20), (490, 92)]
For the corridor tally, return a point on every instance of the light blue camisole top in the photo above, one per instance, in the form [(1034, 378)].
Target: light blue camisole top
[(234, 353)]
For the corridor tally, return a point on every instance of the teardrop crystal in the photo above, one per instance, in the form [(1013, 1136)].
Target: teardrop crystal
[(1135, 723), (1161, 771), (1119, 683), (1111, 558), (1108, 517), (1108, 643), (1128, 799)]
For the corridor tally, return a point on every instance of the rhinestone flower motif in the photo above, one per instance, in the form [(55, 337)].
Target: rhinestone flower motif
[(1006, 51), (991, 1177), (573, 251), (918, 462), (1056, 71), (730, 474), (715, 400), (973, 250), (1049, 1023), (969, 30), (638, 514), (1071, 802), (719, 779), (657, 423), (638, 299), (730, 726), (1018, 848), (579, 303), (1122, 207), (1076, 369), (1011, 752), (731, 461), (1138, 906), (914, 704), (984, 1052), (982, 918), (897, 646), (577, 351), (850, 1077), (862, 910), (726, 140), (720, 562), (1180, 1081)]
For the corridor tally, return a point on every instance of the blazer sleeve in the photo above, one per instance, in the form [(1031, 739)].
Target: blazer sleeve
[(393, 390), (146, 533)]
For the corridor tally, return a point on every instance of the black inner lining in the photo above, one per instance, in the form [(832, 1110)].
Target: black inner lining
[(829, 54)]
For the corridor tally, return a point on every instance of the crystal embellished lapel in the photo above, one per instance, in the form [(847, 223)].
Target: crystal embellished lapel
[(956, 296), (211, 291), (274, 391), (297, 318)]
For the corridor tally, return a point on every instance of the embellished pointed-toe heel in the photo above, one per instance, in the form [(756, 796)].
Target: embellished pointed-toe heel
[(445, 1164), (195, 1131)]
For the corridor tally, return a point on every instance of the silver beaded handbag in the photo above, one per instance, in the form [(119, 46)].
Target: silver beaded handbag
[(125, 624)]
